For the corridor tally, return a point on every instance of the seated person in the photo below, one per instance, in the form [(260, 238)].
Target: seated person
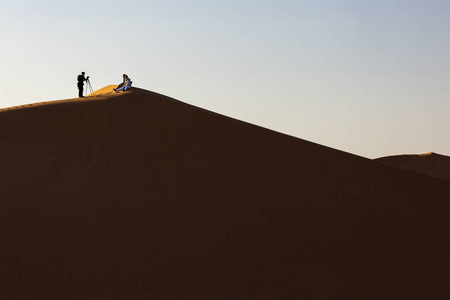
[(125, 85)]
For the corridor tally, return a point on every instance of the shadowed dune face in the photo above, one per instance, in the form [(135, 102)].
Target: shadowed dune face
[(139, 196), (429, 163)]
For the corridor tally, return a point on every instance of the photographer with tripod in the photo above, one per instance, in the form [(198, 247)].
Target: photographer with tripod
[(80, 84)]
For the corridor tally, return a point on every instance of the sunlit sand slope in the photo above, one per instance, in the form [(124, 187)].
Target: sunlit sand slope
[(139, 196)]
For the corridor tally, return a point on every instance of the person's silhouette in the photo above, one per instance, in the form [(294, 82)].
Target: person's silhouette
[(80, 84)]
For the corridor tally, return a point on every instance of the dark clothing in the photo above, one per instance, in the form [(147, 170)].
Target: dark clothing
[(80, 88), (80, 85)]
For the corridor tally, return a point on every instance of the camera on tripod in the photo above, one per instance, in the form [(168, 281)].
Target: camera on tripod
[(89, 89)]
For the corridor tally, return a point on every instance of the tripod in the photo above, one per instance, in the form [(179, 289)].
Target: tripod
[(89, 88)]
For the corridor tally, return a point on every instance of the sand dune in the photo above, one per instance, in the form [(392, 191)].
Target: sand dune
[(139, 196), (429, 163)]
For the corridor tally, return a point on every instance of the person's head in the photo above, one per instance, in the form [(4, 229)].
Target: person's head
[(125, 76), (82, 73)]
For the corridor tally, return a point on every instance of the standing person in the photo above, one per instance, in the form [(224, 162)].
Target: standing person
[(80, 84), (125, 85)]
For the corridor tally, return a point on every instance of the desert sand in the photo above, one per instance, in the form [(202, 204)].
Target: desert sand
[(432, 164), (136, 195)]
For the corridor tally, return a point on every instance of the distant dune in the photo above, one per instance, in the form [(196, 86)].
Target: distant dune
[(136, 195), (429, 163)]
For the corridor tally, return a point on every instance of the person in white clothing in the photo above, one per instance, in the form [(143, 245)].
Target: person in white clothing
[(125, 85)]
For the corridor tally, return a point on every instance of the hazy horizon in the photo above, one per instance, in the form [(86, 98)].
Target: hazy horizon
[(365, 77)]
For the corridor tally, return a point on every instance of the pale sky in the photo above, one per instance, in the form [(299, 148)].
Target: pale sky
[(366, 77)]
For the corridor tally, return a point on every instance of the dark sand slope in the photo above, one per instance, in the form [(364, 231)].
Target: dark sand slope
[(429, 163), (139, 196)]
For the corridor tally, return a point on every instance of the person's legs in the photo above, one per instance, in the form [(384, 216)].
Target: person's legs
[(124, 88), (119, 87), (80, 90)]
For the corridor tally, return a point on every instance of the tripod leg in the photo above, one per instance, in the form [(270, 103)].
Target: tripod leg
[(91, 89)]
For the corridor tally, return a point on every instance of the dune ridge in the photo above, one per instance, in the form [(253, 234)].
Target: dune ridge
[(432, 164), (137, 195)]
